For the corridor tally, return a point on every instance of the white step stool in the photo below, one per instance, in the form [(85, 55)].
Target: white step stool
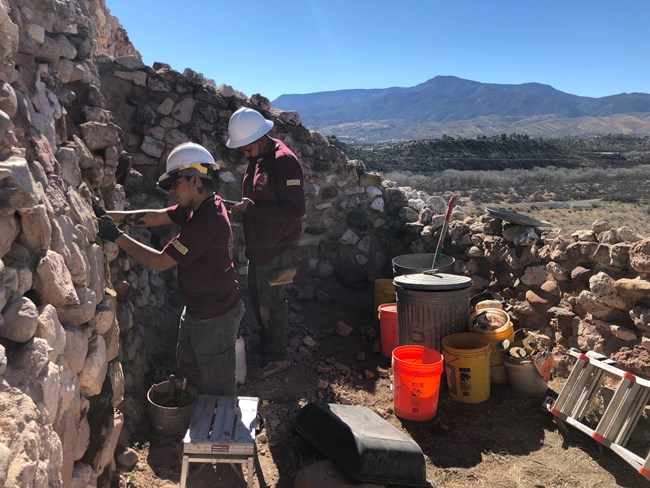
[(222, 430)]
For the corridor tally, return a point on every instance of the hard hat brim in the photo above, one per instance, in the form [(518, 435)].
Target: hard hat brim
[(166, 179), (237, 143)]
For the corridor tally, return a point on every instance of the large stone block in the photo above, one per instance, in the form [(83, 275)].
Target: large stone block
[(54, 282)]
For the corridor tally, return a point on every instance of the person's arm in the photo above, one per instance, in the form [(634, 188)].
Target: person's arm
[(141, 218), (109, 231), (146, 218), (158, 260)]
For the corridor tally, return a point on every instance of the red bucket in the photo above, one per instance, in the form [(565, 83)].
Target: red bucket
[(416, 382), (388, 328)]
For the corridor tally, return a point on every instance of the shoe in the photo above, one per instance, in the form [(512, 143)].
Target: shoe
[(271, 368)]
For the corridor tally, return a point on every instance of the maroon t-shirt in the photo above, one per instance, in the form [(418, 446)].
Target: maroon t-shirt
[(203, 251), (275, 185)]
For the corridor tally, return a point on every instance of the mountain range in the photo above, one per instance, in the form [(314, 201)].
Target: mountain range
[(457, 107)]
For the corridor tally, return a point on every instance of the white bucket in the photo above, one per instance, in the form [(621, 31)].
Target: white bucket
[(524, 377), (240, 361)]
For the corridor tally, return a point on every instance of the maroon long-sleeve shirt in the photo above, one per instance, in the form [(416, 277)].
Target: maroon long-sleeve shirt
[(272, 222), (203, 251)]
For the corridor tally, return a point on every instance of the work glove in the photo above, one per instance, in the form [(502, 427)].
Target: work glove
[(108, 229), (98, 208)]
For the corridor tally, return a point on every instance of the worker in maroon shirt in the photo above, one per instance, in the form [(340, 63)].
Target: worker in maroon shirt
[(273, 202), (206, 275)]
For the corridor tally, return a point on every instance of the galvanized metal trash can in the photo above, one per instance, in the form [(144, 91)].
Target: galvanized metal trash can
[(431, 306)]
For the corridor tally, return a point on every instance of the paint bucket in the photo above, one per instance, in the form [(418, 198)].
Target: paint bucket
[(388, 328), (524, 377), (416, 382), (384, 293), (495, 324), (467, 366), (171, 414)]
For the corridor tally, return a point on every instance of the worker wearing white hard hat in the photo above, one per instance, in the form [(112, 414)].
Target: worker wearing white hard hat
[(272, 205), (188, 159), (213, 309)]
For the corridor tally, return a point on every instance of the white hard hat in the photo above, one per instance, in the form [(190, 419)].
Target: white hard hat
[(245, 126), (188, 159)]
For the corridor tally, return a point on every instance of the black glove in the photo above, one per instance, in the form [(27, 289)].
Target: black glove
[(98, 208), (108, 229)]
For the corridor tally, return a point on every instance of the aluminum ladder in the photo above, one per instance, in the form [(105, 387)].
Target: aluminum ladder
[(621, 413)]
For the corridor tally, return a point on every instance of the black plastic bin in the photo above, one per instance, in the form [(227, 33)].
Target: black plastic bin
[(417, 263), (362, 444)]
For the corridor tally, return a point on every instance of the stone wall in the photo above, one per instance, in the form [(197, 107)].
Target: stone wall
[(80, 114)]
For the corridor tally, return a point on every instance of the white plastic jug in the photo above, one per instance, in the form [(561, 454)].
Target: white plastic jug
[(240, 361)]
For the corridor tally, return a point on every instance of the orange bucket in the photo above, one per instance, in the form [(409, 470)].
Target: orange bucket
[(388, 328), (416, 382)]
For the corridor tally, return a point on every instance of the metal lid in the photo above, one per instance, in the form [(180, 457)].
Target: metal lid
[(432, 281), (516, 218)]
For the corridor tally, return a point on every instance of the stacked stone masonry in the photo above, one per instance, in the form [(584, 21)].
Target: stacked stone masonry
[(80, 114)]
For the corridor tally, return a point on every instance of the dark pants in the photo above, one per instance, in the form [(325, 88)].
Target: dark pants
[(270, 305), (206, 351)]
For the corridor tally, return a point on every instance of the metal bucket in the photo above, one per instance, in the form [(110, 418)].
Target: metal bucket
[(171, 416), (431, 306), (417, 263)]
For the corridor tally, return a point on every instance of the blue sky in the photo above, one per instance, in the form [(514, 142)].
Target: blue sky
[(585, 47)]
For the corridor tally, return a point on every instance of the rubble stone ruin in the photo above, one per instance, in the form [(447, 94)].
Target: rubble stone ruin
[(80, 114)]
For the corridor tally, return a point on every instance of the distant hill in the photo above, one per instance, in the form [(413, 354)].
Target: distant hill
[(514, 151), (458, 107)]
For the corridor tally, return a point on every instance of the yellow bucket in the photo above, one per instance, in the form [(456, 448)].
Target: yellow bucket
[(500, 329), (467, 366), (384, 293)]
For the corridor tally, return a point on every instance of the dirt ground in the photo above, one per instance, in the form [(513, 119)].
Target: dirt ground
[(507, 441)]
